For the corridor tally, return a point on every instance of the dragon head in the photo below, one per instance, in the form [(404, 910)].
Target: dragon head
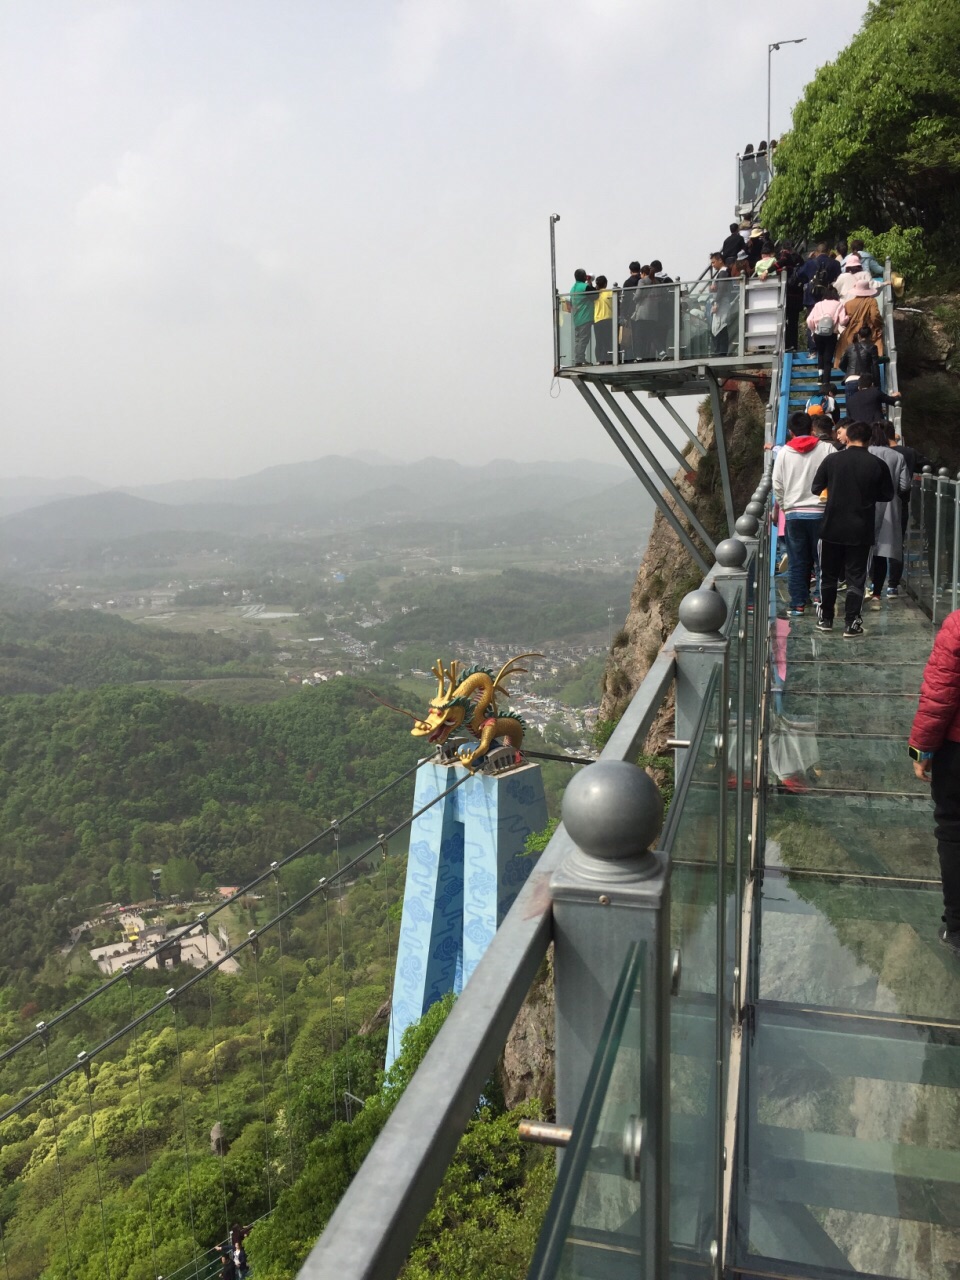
[(444, 713)]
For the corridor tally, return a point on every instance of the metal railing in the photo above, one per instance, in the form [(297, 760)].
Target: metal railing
[(608, 879), (707, 319), (932, 543)]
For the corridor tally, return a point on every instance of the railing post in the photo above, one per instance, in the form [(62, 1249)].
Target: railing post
[(615, 320), (676, 321), (610, 892), (703, 614), (942, 474), (732, 581)]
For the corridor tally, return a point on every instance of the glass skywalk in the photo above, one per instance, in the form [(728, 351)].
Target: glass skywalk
[(850, 1116)]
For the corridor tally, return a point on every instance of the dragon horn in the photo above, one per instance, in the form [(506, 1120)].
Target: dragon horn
[(391, 707), (508, 668), (439, 672)]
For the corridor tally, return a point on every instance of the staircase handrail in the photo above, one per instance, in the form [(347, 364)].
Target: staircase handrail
[(890, 345)]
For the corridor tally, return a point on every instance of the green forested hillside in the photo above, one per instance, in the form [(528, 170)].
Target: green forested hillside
[(518, 603), (42, 650), (98, 788)]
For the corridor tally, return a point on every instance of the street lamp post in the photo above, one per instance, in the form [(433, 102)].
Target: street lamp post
[(770, 49)]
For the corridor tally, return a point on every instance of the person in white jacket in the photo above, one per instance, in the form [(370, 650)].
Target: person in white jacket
[(793, 471)]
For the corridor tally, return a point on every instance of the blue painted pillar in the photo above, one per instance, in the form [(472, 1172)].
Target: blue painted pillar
[(464, 869)]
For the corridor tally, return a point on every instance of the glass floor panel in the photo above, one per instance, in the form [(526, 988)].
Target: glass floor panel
[(853, 1164), (828, 674), (889, 836), (860, 946), (889, 715), (866, 766)]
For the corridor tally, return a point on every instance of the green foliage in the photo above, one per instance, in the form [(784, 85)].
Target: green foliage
[(516, 602), (602, 732), (102, 786), (875, 140), (42, 650), (537, 841), (906, 249)]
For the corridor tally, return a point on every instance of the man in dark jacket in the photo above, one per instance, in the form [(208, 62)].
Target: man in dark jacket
[(733, 244), (817, 272), (935, 750), (855, 482), (867, 402)]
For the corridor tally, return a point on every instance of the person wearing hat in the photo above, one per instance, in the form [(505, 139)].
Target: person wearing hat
[(868, 262), (848, 277), (862, 311), (755, 245)]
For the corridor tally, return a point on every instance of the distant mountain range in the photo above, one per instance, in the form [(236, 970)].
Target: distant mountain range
[(323, 496)]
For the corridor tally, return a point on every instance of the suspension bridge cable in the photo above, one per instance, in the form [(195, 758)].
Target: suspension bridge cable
[(322, 886), (343, 967), (263, 1080), (3, 1251), (333, 1019), (96, 1160), (172, 997), (56, 1147), (143, 1134), (216, 1085), (205, 915), (286, 1047), (391, 959)]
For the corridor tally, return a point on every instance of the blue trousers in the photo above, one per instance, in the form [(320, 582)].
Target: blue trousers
[(802, 536)]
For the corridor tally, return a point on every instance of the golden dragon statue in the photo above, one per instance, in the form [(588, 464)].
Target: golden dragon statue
[(466, 700)]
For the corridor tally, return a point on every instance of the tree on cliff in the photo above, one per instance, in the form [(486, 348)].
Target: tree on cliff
[(876, 137)]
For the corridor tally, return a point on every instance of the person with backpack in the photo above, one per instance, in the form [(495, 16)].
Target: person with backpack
[(825, 320), (628, 301), (824, 399), (817, 274)]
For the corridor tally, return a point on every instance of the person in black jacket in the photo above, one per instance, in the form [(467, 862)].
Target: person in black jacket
[(866, 403), (733, 244), (855, 482), (861, 357)]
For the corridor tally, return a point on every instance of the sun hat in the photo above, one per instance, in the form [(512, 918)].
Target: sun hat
[(853, 260), (864, 289), (756, 233)]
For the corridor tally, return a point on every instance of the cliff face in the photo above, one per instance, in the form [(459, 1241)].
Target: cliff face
[(928, 364), (667, 573)]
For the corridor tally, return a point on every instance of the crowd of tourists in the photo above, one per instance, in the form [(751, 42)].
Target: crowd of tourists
[(836, 286)]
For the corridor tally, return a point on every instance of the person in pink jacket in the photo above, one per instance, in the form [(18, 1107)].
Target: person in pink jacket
[(935, 751), (825, 320)]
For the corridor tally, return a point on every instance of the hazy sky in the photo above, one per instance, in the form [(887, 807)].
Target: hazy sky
[(241, 232)]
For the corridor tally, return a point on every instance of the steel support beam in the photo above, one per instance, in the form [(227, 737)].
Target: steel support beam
[(635, 466), (717, 407), (692, 436), (655, 467), (661, 434)]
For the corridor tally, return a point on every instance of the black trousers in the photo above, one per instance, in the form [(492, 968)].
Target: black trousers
[(945, 774), (825, 345), (838, 561), (879, 572)]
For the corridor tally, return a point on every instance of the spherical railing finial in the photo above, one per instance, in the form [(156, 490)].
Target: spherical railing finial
[(612, 810), (927, 471), (944, 473), (702, 611), (731, 553), (754, 508), (747, 526)]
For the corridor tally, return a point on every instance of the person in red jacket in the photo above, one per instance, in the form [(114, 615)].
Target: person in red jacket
[(935, 751)]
